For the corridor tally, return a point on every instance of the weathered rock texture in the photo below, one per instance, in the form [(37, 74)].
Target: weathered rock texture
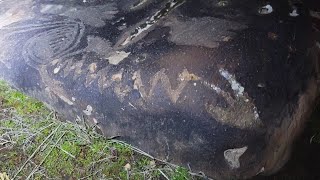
[(221, 86)]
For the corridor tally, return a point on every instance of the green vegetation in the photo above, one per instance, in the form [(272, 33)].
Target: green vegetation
[(34, 144)]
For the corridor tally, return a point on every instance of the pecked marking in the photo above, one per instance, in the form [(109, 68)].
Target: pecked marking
[(58, 40), (91, 15), (241, 112), (162, 77)]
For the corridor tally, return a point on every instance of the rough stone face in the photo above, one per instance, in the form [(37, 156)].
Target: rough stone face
[(221, 86)]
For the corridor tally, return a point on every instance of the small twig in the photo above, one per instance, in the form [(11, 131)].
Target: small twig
[(86, 177), (201, 175), (35, 151), (128, 175), (159, 160), (103, 159), (54, 146), (163, 174), (38, 132), (144, 153), (69, 154)]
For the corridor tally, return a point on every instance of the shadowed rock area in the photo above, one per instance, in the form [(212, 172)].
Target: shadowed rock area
[(222, 87)]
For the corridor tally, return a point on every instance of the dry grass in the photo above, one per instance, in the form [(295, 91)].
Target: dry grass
[(34, 144)]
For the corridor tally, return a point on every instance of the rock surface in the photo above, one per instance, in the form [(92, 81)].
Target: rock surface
[(221, 86)]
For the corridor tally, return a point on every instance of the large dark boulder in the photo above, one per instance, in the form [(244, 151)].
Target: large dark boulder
[(221, 86)]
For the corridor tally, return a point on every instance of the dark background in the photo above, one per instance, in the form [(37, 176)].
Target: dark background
[(305, 158)]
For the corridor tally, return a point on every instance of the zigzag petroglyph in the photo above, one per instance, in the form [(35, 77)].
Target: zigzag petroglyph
[(162, 77), (239, 102)]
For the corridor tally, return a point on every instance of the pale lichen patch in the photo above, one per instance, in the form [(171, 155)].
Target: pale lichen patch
[(236, 87), (57, 69), (119, 56), (88, 110), (232, 156), (117, 77), (294, 13), (223, 3), (55, 61), (66, 100), (267, 9), (92, 67)]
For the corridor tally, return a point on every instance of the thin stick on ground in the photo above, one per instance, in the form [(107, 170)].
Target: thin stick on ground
[(54, 146), (86, 177), (163, 174), (35, 151)]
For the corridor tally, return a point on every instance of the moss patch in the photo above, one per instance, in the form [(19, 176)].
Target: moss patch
[(34, 144)]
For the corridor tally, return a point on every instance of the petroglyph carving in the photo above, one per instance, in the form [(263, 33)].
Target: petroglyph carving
[(121, 91), (90, 15), (70, 66), (53, 87), (161, 77), (46, 39), (248, 116), (103, 80), (91, 75), (186, 76), (43, 40)]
